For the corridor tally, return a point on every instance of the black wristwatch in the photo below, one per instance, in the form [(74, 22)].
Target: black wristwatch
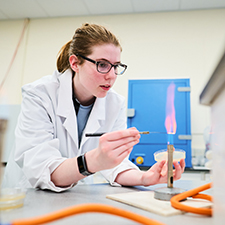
[(82, 165)]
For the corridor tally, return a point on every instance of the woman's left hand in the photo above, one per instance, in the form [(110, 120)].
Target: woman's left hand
[(158, 173)]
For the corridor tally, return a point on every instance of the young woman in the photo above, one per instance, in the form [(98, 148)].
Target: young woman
[(51, 149)]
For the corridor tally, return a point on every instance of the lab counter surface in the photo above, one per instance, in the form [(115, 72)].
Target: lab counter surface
[(39, 202)]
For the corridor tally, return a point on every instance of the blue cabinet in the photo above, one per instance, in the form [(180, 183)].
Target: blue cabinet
[(147, 107)]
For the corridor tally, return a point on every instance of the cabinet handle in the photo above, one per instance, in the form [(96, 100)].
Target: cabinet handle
[(130, 112), (184, 89), (184, 137)]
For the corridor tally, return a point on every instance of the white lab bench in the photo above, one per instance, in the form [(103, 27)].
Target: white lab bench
[(38, 202)]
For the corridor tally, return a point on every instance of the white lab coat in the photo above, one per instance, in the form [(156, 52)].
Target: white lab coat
[(46, 133)]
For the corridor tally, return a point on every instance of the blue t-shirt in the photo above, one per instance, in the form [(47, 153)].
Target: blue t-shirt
[(82, 117)]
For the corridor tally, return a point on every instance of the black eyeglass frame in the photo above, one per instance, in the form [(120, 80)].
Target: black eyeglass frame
[(97, 63)]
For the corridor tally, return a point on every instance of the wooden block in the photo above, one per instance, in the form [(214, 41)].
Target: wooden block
[(145, 200)]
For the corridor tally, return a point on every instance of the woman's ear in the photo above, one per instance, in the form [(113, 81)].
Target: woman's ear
[(74, 63)]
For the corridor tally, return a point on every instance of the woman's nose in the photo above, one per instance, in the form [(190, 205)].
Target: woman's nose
[(111, 74)]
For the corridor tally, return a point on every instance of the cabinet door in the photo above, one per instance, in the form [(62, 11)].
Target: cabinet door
[(148, 100)]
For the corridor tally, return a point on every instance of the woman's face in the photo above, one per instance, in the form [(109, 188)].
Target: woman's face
[(89, 83)]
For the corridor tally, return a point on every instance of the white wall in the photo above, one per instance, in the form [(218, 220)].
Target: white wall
[(155, 45)]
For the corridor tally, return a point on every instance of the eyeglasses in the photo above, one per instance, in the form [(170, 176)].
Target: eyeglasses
[(104, 66)]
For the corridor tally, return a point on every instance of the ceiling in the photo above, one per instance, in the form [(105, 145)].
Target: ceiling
[(20, 9)]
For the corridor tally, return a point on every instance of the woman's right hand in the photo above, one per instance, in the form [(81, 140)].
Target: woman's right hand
[(113, 148)]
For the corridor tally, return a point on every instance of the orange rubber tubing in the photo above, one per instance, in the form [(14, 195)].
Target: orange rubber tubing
[(194, 193), (85, 208)]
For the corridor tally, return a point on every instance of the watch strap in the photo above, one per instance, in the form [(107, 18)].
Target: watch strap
[(82, 165)]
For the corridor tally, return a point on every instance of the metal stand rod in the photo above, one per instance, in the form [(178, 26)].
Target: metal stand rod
[(166, 193), (170, 166)]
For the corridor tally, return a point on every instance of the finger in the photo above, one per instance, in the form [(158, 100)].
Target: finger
[(124, 154), (164, 169), (182, 164), (178, 170), (118, 159), (117, 135), (123, 148), (158, 167), (116, 144)]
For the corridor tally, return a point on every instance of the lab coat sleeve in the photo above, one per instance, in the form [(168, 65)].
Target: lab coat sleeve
[(37, 150), (111, 174)]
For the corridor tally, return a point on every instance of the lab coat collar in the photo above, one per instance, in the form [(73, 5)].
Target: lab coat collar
[(65, 107), (65, 101)]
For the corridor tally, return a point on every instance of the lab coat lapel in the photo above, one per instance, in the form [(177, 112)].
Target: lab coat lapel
[(65, 107), (96, 118)]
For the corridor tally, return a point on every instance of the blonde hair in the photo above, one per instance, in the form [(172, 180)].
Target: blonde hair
[(85, 37)]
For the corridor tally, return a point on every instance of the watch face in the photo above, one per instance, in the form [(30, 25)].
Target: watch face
[(80, 164)]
